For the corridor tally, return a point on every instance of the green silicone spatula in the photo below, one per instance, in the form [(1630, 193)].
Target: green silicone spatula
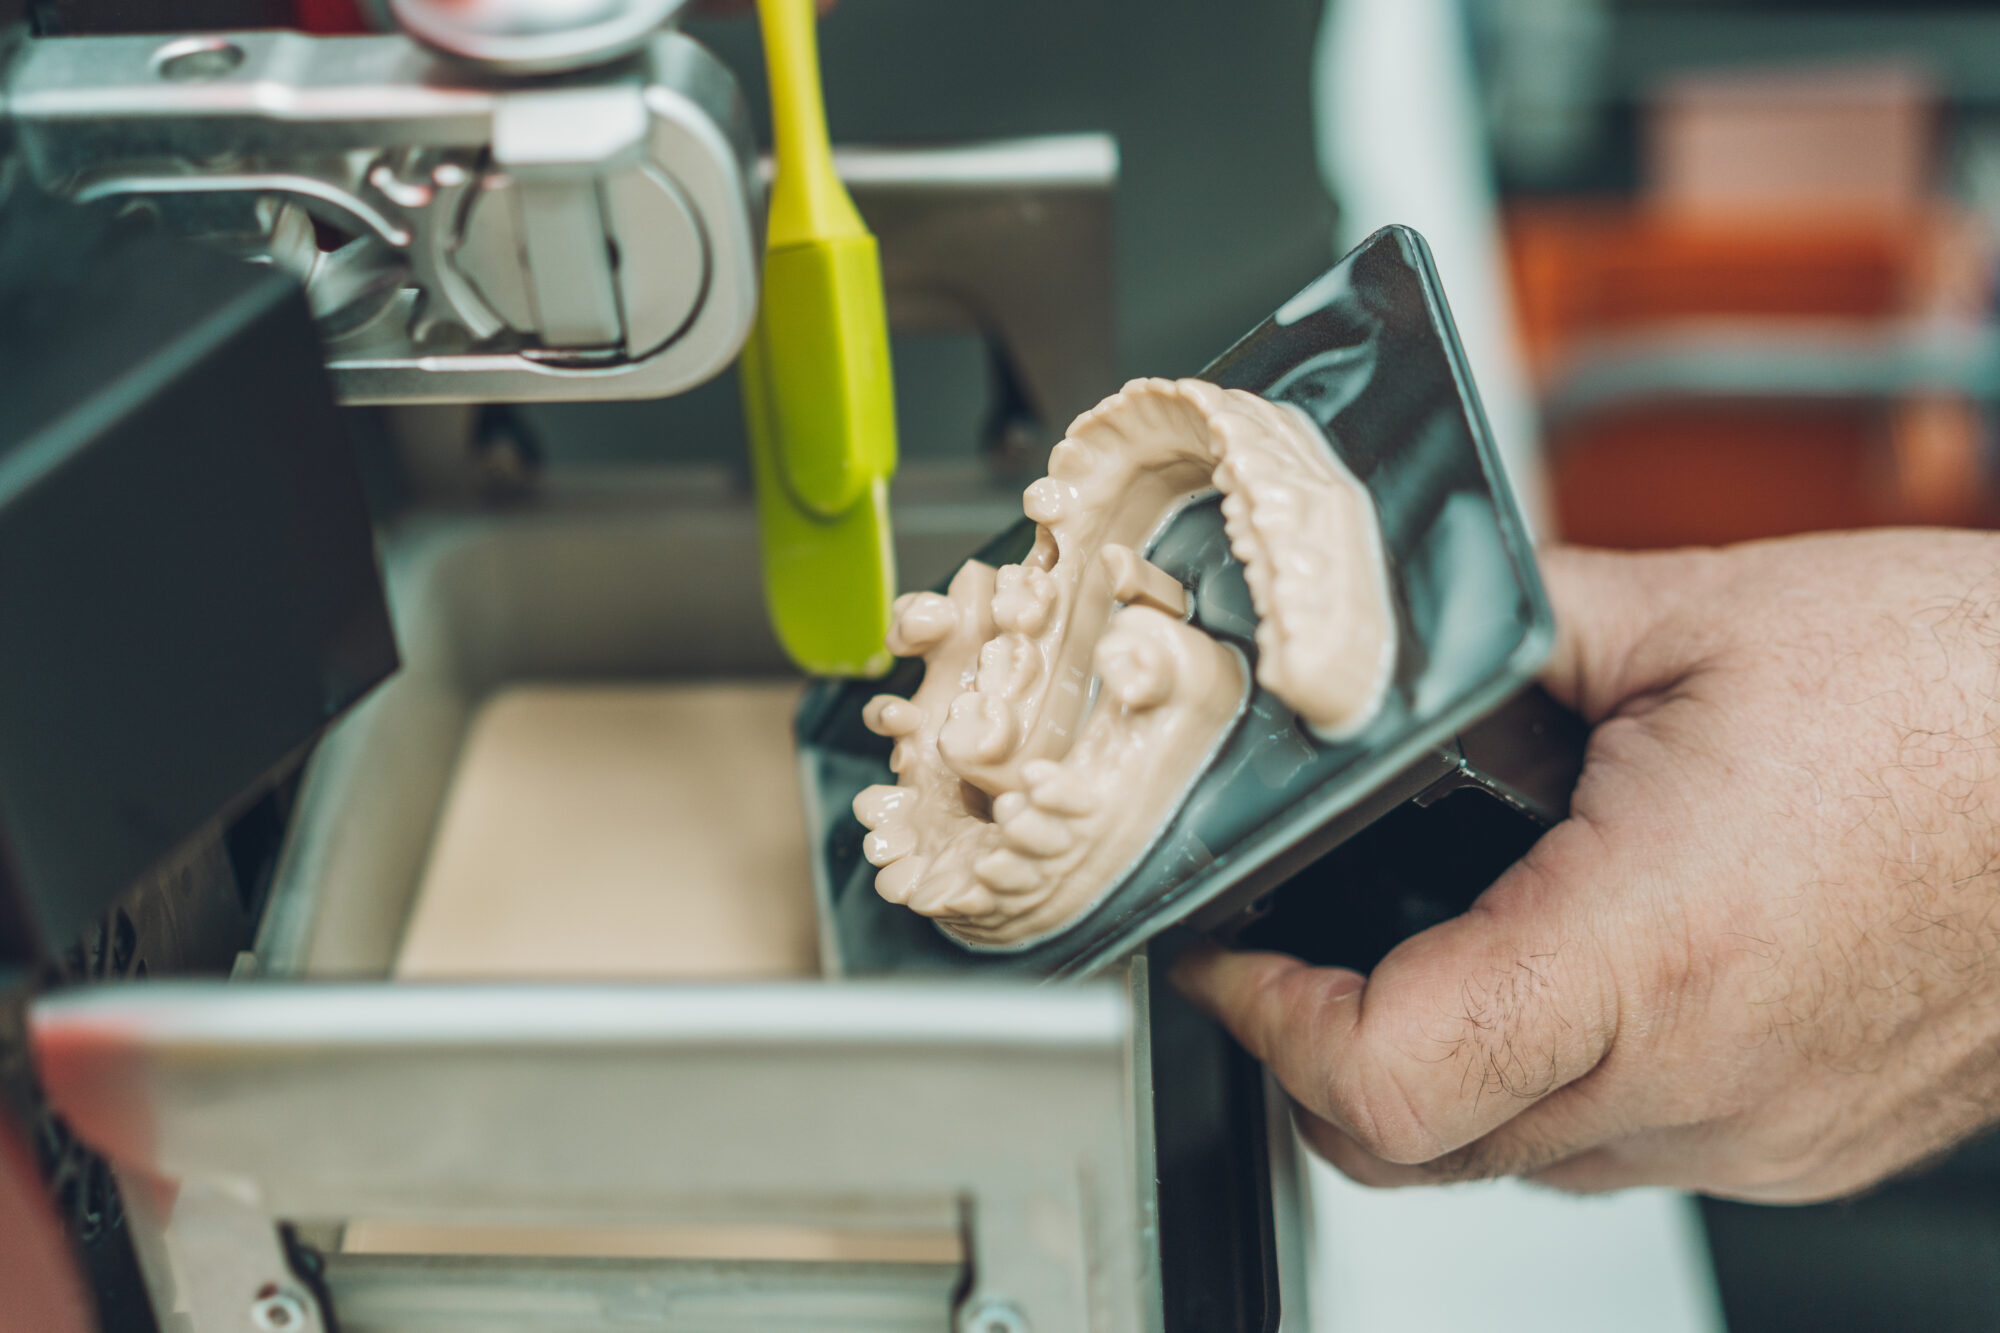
[(817, 393)]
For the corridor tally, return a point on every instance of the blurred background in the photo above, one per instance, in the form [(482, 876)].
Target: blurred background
[(1726, 267)]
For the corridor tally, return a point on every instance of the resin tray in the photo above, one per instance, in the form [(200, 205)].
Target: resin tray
[(1368, 350)]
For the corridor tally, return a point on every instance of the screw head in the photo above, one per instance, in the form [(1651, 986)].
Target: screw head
[(279, 1312), (992, 1316)]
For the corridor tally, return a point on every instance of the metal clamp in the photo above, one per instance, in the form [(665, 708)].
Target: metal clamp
[(460, 238), (221, 1264)]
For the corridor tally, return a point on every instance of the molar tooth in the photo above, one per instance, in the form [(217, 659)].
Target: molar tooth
[(878, 804), (1023, 600), (1060, 792), (1008, 666), (885, 846), (922, 620), (979, 730), (1037, 834), (1135, 670), (1038, 771), (1006, 871)]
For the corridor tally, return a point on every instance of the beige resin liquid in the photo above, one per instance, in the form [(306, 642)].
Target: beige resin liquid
[(642, 832)]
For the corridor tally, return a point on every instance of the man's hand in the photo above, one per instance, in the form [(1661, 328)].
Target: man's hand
[(1761, 958)]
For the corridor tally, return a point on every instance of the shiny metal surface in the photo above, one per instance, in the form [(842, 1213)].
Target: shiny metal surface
[(534, 36), (220, 1264), (483, 240), (1010, 239), (1368, 352), (449, 1293), (1005, 1109)]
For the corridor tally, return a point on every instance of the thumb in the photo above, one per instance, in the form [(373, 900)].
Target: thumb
[(1611, 609), (1457, 1031)]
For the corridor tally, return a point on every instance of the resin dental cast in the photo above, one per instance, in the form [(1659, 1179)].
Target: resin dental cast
[(1067, 705)]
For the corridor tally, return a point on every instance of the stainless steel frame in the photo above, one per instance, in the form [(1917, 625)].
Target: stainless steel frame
[(1006, 1111), (1010, 239)]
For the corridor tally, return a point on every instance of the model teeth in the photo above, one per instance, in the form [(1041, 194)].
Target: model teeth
[(1047, 500), (980, 730), (1022, 801), (1057, 791), (967, 899), (897, 882), (921, 622), (887, 715), (1036, 833), (1007, 871), (1071, 461), (1023, 600), (890, 844), (877, 805), (1008, 667), (1134, 672)]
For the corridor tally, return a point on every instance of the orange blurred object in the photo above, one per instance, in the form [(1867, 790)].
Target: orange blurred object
[(1847, 140), (1777, 205)]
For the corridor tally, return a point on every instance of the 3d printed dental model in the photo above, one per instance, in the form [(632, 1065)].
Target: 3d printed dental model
[(1067, 705)]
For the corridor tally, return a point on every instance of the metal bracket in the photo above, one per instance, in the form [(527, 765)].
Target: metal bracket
[(212, 1258), (461, 238)]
